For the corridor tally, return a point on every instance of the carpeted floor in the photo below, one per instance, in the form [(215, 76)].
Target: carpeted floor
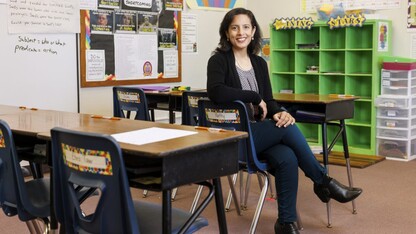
[(387, 205)]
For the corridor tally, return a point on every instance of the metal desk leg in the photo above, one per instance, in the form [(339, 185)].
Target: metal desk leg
[(325, 159), (219, 204), (53, 222), (347, 160), (167, 211)]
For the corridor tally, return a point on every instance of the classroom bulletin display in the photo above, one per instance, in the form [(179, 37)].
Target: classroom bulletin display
[(127, 42)]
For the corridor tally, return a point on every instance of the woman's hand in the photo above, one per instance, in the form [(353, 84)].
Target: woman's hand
[(283, 119)]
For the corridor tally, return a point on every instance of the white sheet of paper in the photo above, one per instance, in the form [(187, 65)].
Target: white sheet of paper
[(150, 135), (126, 55)]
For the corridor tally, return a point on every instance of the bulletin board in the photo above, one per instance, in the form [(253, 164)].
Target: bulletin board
[(120, 53)]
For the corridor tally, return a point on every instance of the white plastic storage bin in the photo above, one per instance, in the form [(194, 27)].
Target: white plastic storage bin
[(396, 149), (395, 122), (395, 112), (396, 82), (402, 133), (395, 101)]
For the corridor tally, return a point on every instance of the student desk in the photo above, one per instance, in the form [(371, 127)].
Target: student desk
[(324, 110), (170, 101), (213, 155)]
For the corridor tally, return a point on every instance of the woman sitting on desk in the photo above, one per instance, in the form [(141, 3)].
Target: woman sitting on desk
[(235, 72)]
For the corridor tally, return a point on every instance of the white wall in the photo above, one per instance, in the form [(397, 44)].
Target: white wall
[(99, 100)]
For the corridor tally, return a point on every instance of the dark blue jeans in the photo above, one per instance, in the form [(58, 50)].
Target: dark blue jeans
[(286, 149)]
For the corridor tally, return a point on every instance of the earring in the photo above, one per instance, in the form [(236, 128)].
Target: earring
[(252, 38)]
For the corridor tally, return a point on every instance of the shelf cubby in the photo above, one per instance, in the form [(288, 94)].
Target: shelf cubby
[(283, 81), (306, 37), (305, 59), (307, 84), (359, 62), (332, 39), (359, 86), (284, 60), (286, 39), (362, 112), (331, 84), (332, 62), (360, 37), (310, 131)]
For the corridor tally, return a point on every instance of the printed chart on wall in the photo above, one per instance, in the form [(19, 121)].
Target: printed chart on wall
[(411, 16), (126, 42), (215, 5), (310, 6)]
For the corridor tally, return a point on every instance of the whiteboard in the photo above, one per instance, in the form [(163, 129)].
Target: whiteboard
[(38, 70)]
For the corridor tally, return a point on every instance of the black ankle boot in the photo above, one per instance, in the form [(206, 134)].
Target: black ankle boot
[(335, 190), (285, 228)]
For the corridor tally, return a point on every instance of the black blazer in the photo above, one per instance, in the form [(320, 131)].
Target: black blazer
[(223, 83)]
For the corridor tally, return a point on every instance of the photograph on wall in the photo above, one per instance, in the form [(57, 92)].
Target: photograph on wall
[(142, 5), (125, 21), (102, 21), (109, 4), (167, 38), (147, 22), (174, 5)]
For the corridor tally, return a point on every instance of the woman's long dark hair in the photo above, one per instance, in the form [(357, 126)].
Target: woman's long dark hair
[(224, 45)]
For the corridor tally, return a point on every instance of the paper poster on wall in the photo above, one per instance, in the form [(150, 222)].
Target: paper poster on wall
[(148, 55), (102, 21), (215, 5), (109, 4), (383, 44), (174, 5), (189, 34), (170, 63), (95, 65), (411, 15), (125, 21), (147, 22), (167, 38), (2, 1), (126, 56), (88, 4), (43, 16)]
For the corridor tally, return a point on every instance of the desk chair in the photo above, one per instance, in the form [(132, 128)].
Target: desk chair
[(125, 101), (233, 116), (115, 212), (29, 200), (190, 117), (130, 99)]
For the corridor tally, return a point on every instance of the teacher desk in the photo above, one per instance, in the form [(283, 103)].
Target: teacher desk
[(325, 110), (190, 159)]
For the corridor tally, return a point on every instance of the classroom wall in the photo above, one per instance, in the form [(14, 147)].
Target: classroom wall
[(99, 100)]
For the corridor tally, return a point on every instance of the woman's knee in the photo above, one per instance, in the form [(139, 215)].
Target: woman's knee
[(281, 156)]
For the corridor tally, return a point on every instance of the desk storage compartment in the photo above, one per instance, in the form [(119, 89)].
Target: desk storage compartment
[(395, 112), (402, 133), (395, 123), (398, 73), (396, 148), (395, 101)]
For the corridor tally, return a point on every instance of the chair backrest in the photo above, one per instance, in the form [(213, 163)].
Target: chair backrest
[(130, 99), (91, 161), (232, 116), (190, 106), (14, 197)]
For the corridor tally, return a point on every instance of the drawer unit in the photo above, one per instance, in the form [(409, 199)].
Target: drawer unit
[(398, 74), (396, 149), (393, 90), (396, 122), (402, 133), (395, 101), (395, 112)]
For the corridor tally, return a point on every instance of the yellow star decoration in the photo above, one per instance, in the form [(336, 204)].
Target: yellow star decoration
[(293, 23), (346, 21)]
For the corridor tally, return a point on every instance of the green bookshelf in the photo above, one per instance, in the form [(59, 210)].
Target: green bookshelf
[(349, 61)]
